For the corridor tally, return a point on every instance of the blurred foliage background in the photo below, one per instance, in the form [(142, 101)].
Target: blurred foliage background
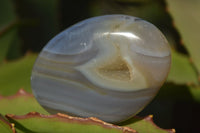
[(27, 25)]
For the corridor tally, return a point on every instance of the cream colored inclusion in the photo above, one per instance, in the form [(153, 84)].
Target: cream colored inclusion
[(114, 69)]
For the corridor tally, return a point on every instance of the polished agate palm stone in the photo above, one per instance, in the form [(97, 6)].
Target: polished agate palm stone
[(107, 67)]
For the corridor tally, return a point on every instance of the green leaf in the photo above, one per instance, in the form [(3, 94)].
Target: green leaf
[(174, 92), (195, 93), (6, 40), (187, 20), (150, 10), (6, 12), (8, 30), (173, 104), (39, 22), (6, 127), (16, 74), (59, 123), (133, 1), (20, 103), (146, 125), (182, 71)]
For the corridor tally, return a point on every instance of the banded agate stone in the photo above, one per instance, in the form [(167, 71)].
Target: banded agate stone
[(107, 67)]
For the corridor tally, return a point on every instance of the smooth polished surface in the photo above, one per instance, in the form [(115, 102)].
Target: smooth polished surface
[(107, 67)]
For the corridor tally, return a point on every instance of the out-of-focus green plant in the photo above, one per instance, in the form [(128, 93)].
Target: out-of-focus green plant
[(27, 25)]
